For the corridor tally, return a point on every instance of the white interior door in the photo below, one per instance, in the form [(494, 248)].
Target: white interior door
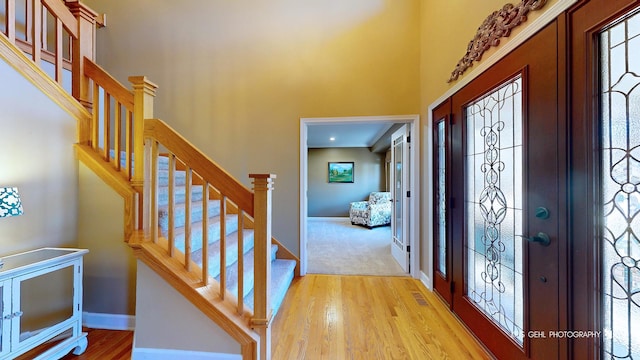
[(400, 186)]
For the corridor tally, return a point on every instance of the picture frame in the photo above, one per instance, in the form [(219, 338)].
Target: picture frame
[(341, 172)]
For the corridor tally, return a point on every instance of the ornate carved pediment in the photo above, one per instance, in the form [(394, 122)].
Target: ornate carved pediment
[(495, 26)]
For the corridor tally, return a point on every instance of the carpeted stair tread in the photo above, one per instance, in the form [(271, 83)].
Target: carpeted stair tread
[(282, 274), (231, 243), (179, 194), (179, 212), (282, 270), (231, 222), (179, 177), (232, 272)]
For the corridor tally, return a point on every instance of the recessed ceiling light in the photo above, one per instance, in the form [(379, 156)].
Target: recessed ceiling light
[(332, 139)]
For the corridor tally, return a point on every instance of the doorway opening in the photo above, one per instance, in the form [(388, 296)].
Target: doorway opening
[(412, 122)]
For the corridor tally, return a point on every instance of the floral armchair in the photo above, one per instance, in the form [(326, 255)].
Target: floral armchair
[(374, 212)]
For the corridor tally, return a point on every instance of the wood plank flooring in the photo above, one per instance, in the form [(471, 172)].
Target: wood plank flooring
[(368, 317), (106, 345), (344, 317)]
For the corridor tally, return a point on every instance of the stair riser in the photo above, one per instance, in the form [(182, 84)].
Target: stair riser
[(232, 273), (231, 253), (282, 270), (179, 178), (282, 274), (179, 194), (180, 212), (213, 233)]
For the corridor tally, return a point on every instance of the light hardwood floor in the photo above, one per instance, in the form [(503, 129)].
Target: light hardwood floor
[(368, 317), (345, 317)]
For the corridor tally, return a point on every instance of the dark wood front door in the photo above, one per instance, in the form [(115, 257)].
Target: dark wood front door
[(505, 185)]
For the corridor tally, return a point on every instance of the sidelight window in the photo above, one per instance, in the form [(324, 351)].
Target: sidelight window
[(620, 193)]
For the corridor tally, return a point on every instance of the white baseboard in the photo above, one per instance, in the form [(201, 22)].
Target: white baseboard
[(108, 321), (424, 279), (326, 218), (167, 354)]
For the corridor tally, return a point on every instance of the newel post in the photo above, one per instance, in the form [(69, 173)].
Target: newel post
[(82, 47), (144, 92), (262, 189)]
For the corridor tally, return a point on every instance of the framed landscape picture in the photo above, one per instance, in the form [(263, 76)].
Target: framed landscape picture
[(341, 172)]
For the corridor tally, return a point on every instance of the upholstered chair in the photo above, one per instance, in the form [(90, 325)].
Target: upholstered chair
[(374, 212)]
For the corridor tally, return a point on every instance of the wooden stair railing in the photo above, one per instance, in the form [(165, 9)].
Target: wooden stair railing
[(117, 127), (116, 121), (234, 199), (60, 33), (111, 142)]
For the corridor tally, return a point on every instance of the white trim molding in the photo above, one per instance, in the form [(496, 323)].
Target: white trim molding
[(108, 321), (169, 354), (424, 279), (413, 121)]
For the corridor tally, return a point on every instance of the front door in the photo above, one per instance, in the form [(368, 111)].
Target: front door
[(506, 186), (400, 187)]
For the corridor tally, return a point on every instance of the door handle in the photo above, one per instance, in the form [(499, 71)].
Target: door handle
[(540, 238)]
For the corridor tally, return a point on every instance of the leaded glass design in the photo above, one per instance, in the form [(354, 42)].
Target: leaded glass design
[(620, 182), (441, 200), (493, 206)]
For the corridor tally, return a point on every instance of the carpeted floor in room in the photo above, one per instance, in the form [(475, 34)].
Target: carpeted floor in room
[(334, 246)]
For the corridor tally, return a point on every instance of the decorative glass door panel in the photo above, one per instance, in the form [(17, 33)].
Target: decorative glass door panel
[(441, 196), (493, 207), (397, 192), (620, 180), (442, 249)]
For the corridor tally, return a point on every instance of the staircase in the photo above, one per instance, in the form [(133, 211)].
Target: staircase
[(282, 270), (185, 217)]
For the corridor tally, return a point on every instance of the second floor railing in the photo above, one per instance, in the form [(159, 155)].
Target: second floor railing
[(56, 35)]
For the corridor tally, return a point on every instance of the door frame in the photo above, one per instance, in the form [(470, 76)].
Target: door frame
[(413, 121), (405, 220)]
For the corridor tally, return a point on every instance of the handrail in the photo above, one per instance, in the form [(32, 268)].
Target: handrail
[(59, 10), (112, 118), (36, 31), (72, 34), (199, 162), (108, 83)]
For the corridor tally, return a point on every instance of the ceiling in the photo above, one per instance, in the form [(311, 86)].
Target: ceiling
[(347, 135)]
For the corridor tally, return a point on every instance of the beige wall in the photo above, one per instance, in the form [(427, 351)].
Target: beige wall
[(235, 77), (332, 199), (110, 267), (174, 323), (447, 27), (36, 155)]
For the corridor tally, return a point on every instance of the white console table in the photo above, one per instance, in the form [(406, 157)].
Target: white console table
[(41, 292)]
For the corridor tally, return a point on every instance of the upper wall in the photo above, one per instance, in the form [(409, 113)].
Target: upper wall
[(235, 77), (447, 29), (36, 155), (332, 199)]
